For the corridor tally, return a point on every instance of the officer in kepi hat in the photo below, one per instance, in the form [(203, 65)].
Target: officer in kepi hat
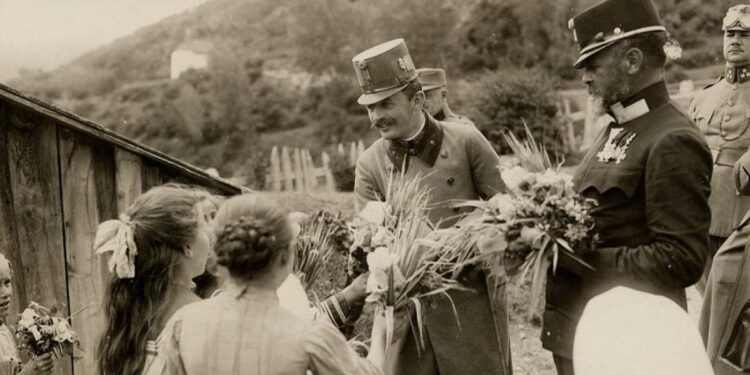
[(456, 162), (649, 171), (435, 87), (722, 113)]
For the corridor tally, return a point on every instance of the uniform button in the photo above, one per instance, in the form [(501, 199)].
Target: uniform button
[(730, 103), (723, 133), (451, 180), (727, 118), (432, 142), (444, 154), (548, 333)]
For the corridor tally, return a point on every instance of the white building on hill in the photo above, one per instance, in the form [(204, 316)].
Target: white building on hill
[(190, 55)]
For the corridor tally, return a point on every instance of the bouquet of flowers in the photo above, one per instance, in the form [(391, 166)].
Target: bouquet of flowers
[(340, 233), (39, 332), (539, 219), (403, 269)]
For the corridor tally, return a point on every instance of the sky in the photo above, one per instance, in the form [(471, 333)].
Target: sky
[(44, 34)]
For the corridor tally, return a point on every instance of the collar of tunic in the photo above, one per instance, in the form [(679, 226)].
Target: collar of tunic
[(737, 74), (640, 103), (426, 145)]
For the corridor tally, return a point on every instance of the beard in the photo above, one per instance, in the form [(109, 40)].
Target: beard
[(611, 92)]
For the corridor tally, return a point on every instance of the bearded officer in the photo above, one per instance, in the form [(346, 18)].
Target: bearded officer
[(722, 113), (649, 171), (435, 88)]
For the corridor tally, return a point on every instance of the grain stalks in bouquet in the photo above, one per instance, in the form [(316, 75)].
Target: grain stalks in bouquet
[(313, 250), (403, 272), (540, 218)]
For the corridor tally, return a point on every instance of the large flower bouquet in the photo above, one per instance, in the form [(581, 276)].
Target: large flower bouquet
[(314, 248), (403, 269), (540, 218), (39, 332)]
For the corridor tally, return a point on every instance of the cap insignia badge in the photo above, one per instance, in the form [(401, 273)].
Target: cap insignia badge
[(405, 63)]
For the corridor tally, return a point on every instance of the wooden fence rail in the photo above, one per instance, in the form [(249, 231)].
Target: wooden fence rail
[(293, 169)]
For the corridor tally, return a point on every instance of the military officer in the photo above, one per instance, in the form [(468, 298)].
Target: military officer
[(457, 162), (649, 171), (435, 88), (722, 113)]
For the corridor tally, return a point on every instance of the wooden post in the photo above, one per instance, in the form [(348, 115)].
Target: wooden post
[(353, 154), (340, 149), (275, 170), (39, 271), (286, 166), (310, 179), (570, 127), (89, 197), (330, 182), (299, 179)]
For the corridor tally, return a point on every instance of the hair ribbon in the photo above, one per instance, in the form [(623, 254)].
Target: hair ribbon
[(116, 237)]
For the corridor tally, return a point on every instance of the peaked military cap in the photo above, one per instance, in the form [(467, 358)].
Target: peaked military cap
[(432, 78), (737, 18), (383, 70), (603, 24)]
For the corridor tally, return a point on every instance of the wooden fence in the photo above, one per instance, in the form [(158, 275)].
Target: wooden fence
[(295, 170), (60, 175)]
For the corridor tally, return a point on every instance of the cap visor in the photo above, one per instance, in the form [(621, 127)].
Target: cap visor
[(367, 99), (580, 62)]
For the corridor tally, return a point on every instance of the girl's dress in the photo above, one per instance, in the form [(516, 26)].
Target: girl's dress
[(9, 359), (244, 331)]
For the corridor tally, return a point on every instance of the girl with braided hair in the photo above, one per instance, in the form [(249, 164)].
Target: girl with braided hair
[(243, 330), (157, 247)]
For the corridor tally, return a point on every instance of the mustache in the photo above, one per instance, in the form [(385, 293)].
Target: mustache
[(384, 122)]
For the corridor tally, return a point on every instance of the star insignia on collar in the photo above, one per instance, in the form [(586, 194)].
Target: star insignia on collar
[(616, 147)]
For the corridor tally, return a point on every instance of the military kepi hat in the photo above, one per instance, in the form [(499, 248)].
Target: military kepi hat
[(432, 78), (383, 70), (603, 24)]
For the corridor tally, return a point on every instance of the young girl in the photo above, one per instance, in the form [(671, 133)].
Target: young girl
[(158, 246), (244, 330), (9, 357)]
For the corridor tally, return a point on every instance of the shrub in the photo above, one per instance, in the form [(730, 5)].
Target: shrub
[(503, 101), (343, 172)]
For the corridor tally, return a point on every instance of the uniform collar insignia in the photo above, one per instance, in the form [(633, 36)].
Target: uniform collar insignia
[(640, 103), (426, 146), (737, 74)]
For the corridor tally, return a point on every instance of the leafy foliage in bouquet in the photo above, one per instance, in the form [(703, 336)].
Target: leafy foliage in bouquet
[(404, 271), (540, 218), (39, 332)]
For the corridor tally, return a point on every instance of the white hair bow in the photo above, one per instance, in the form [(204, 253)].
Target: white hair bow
[(116, 236)]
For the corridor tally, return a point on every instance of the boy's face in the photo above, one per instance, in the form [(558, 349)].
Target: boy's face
[(6, 289)]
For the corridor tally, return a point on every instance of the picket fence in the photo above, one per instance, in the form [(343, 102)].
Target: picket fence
[(293, 169)]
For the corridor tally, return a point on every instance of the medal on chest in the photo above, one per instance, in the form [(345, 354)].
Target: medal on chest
[(615, 149)]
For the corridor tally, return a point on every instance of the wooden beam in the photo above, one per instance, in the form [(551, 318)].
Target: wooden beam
[(88, 127)]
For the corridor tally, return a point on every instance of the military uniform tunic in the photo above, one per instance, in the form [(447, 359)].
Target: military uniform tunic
[(722, 113), (456, 162), (652, 214)]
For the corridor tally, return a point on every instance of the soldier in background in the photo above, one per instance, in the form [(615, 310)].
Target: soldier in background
[(722, 113), (435, 88)]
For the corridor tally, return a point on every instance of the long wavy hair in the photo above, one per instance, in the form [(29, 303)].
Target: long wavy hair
[(164, 223)]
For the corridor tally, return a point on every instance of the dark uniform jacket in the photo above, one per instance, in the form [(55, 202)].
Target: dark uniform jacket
[(456, 162), (722, 113), (652, 214), (725, 316)]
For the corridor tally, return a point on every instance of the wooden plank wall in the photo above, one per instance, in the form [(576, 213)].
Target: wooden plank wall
[(56, 186)]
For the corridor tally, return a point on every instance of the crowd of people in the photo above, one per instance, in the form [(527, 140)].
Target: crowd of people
[(671, 188)]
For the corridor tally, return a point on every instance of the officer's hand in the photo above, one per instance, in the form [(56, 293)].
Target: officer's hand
[(357, 290)]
